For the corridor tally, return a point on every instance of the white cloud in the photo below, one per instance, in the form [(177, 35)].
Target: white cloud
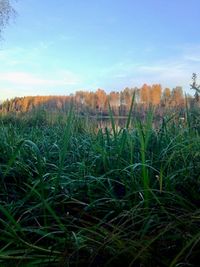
[(193, 57), (168, 74), (19, 57), (19, 84), (171, 72), (29, 79), (43, 73)]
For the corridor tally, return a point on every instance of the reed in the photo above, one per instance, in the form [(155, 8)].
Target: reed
[(74, 195)]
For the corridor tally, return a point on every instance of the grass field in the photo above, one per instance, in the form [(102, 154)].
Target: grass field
[(74, 195)]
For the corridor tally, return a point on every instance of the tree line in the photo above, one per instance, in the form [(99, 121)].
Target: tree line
[(98, 102)]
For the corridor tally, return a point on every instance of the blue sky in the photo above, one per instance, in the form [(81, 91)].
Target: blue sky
[(58, 47)]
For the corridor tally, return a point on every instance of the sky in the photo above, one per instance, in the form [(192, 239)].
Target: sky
[(55, 47)]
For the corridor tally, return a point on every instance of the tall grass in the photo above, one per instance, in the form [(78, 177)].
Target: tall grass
[(73, 195)]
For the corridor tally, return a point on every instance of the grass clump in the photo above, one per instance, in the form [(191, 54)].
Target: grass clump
[(72, 195)]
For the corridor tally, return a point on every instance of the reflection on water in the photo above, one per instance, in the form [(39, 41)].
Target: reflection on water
[(102, 123), (119, 122)]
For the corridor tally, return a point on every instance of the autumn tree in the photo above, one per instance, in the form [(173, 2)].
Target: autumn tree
[(91, 101), (101, 99), (127, 97), (145, 94), (80, 97), (114, 100), (80, 100), (155, 94), (166, 97), (177, 96), (136, 92)]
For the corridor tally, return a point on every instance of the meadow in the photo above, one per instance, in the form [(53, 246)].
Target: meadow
[(72, 194)]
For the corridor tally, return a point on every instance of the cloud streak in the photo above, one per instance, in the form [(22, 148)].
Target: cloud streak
[(25, 74), (169, 72), (30, 79)]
